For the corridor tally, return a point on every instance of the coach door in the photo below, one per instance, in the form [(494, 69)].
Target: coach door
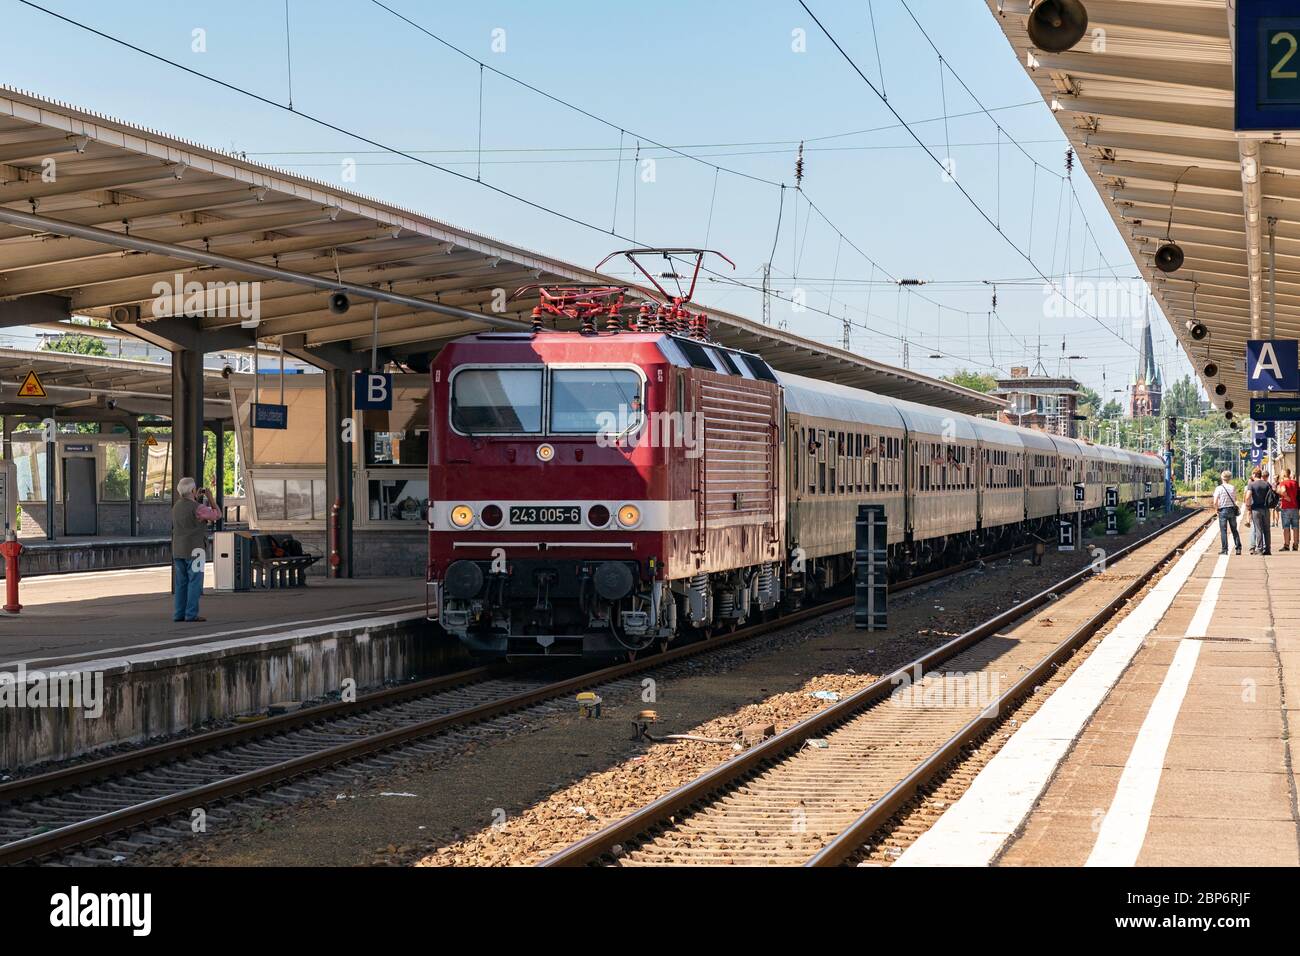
[(796, 450)]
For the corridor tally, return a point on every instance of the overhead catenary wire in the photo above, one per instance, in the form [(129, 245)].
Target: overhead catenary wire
[(535, 204), (898, 116)]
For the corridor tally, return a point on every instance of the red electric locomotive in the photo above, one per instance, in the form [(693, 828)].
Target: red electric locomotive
[(600, 491)]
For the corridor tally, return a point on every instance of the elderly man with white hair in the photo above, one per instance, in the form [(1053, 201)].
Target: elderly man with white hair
[(190, 515), (1225, 503)]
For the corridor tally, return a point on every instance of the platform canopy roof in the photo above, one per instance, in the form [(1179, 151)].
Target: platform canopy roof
[(1147, 100), (98, 388), (95, 212)]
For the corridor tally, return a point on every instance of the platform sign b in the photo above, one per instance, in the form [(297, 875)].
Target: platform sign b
[(1273, 365), (373, 392)]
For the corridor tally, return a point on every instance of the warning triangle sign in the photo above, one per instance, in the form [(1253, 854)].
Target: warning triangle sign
[(150, 441), (31, 387)]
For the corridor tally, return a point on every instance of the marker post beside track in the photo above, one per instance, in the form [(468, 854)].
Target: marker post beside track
[(870, 569)]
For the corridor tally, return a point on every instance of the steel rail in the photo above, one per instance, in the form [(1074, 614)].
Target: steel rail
[(105, 767), (62, 838), (843, 846), (782, 745)]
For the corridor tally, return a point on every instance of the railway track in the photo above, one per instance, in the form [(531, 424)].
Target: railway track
[(89, 803), (815, 793)]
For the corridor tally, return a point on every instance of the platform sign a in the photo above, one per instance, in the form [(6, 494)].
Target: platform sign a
[(373, 392), (1267, 72), (1273, 365)]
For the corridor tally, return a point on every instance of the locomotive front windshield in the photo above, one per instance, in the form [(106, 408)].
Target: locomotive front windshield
[(589, 401), (497, 400)]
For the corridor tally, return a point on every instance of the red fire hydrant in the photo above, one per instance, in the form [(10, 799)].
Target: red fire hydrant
[(10, 551)]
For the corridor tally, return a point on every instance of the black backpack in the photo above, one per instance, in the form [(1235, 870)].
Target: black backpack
[(1271, 500)]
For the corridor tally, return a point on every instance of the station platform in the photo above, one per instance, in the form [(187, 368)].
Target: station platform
[(1172, 744), (77, 617), (145, 676)]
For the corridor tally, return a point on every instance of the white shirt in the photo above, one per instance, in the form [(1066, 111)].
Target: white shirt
[(1225, 496)]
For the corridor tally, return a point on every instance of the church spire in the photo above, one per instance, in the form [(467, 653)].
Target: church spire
[(1144, 396)]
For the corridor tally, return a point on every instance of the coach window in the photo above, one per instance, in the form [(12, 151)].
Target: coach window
[(833, 449), (842, 459), (810, 464), (796, 456), (821, 461)]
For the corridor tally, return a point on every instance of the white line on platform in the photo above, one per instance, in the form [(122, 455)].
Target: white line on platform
[(1124, 828), (55, 577), (975, 828), (274, 628)]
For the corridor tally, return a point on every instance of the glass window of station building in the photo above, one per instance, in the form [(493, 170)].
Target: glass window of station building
[(284, 469)]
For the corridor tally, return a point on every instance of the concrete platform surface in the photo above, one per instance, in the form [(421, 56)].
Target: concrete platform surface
[(1174, 744), (75, 617)]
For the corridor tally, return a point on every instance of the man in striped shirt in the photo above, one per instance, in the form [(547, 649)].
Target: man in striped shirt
[(1225, 503)]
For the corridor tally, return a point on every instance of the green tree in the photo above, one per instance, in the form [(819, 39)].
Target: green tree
[(1089, 401), (1182, 400), (976, 381), (1111, 410), (76, 344)]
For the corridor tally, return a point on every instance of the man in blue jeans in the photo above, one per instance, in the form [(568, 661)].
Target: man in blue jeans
[(1257, 497), (1225, 503), (189, 547)]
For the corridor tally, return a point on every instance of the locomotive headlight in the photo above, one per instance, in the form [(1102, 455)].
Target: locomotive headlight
[(462, 516), (545, 451), (629, 516)]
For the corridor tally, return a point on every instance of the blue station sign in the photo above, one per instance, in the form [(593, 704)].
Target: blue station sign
[(1273, 365), (270, 416), (373, 392), (1267, 77)]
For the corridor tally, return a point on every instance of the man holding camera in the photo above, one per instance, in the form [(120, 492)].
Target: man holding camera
[(190, 516)]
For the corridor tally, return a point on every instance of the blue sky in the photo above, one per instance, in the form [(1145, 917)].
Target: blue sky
[(720, 80)]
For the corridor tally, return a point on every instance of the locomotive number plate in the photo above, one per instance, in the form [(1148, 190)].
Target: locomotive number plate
[(545, 514)]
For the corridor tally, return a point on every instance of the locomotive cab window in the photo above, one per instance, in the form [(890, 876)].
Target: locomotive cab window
[(586, 401), (497, 401)]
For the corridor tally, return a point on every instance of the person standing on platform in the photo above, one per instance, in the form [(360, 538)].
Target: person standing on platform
[(1288, 494), (1225, 503), (1260, 497), (190, 515)]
